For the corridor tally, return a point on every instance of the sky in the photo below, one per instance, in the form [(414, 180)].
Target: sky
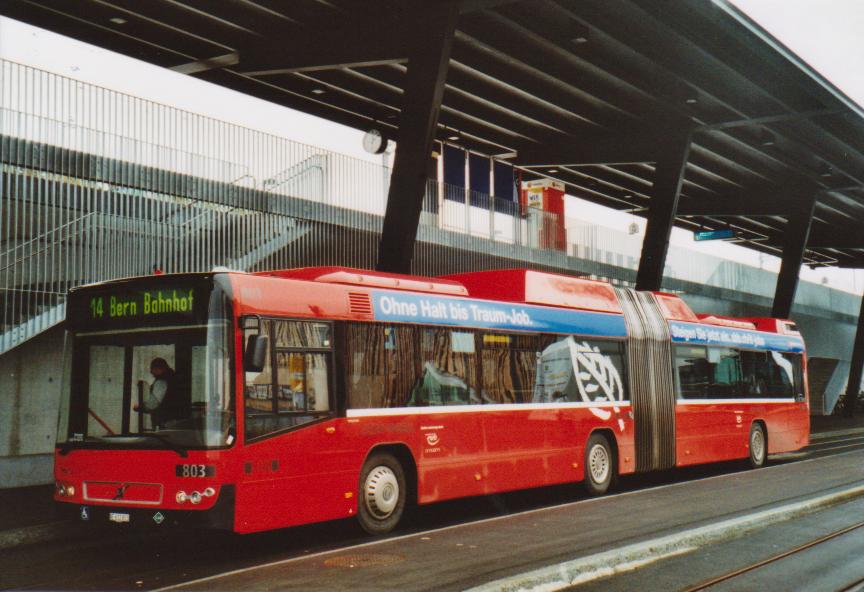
[(824, 33), (828, 38)]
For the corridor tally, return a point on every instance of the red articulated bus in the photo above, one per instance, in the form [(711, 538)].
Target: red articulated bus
[(259, 401)]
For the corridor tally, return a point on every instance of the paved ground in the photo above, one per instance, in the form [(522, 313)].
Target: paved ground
[(451, 545), (832, 565), (26, 506)]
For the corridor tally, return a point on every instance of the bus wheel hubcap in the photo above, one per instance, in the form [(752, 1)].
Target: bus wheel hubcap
[(757, 445), (381, 491), (598, 463)]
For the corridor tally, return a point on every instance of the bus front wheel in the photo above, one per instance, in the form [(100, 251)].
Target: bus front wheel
[(599, 465), (758, 445), (381, 502)]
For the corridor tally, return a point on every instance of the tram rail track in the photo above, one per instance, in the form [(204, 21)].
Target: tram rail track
[(856, 586)]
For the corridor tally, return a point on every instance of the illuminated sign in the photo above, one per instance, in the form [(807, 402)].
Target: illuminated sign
[(704, 235), (142, 303)]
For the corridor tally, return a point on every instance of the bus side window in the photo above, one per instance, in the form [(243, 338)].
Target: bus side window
[(574, 369), (771, 374), (449, 372), (293, 387), (782, 374), (754, 374), (258, 391), (509, 367), (381, 365), (694, 371), (726, 373)]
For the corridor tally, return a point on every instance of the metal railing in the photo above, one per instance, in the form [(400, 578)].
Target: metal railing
[(97, 185)]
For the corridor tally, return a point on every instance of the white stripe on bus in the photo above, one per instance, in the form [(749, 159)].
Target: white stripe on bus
[(380, 411), (480, 408), (732, 401)]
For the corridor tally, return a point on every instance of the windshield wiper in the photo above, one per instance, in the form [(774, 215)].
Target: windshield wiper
[(68, 446), (167, 442)]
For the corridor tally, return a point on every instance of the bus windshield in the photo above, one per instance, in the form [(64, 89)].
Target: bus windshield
[(150, 386)]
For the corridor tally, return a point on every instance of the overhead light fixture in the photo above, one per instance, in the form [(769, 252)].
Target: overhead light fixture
[(691, 100), (579, 33), (825, 170), (628, 196), (504, 155), (552, 171), (766, 138), (454, 136), (118, 20), (318, 91)]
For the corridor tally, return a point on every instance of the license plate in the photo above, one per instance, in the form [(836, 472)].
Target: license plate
[(118, 517)]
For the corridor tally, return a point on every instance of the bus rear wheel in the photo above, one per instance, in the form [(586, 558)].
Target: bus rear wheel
[(381, 502), (758, 445), (600, 468)]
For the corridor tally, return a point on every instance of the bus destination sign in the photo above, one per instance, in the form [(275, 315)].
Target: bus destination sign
[(142, 303), (129, 306)]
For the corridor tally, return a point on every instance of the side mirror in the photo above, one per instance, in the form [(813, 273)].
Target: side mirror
[(255, 354)]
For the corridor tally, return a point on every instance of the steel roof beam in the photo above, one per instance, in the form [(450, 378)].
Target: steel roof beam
[(421, 103), (370, 42), (87, 29), (770, 119), (610, 148), (751, 205), (794, 245), (668, 177), (721, 82), (835, 241), (221, 61), (468, 6), (785, 86), (853, 383)]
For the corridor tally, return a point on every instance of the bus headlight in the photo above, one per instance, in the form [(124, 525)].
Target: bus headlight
[(64, 489), (194, 497)]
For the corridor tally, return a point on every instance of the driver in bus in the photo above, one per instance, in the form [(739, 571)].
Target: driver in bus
[(161, 402)]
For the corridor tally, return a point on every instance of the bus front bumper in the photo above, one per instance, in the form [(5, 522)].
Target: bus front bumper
[(218, 517)]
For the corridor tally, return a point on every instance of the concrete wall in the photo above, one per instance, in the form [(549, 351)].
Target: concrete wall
[(30, 381)]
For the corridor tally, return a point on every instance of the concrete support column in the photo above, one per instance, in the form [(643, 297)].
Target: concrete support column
[(418, 122), (668, 176), (797, 233), (857, 365)]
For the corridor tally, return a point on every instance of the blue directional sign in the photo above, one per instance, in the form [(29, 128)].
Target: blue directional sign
[(683, 332), (704, 235)]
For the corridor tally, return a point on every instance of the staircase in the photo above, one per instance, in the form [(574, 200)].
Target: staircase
[(122, 232), (826, 378)]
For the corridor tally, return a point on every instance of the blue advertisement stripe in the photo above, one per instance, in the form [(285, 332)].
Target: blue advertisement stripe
[(400, 307), (695, 333)]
